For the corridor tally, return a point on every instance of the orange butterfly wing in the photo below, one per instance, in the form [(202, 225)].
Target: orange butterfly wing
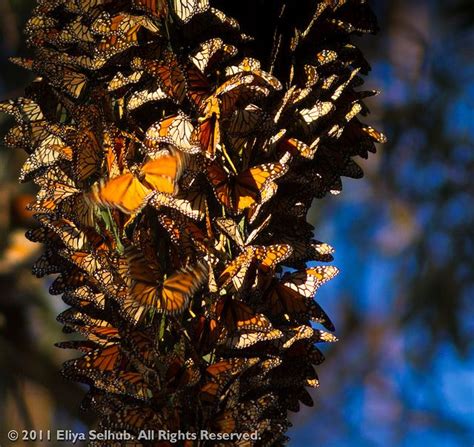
[(170, 296), (160, 174), (179, 287), (251, 183), (124, 192), (245, 189), (236, 315), (127, 193), (209, 135)]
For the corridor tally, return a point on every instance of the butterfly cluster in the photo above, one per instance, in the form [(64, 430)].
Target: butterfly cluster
[(175, 172)]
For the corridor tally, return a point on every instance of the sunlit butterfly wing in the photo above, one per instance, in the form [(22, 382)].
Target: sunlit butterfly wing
[(210, 52), (185, 10), (176, 130)]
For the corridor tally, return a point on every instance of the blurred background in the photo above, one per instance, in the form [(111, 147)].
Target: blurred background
[(403, 371)]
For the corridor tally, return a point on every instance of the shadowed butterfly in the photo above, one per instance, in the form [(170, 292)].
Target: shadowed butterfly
[(150, 290), (211, 52), (241, 191)]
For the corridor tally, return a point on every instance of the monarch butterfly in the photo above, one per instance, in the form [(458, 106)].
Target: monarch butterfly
[(142, 345), (374, 134), (236, 270), (308, 281), (35, 132), (68, 280), (135, 418), (289, 99), (230, 228), (326, 56), (87, 144), (168, 72), (343, 86), (66, 79), (292, 295), (264, 367), (198, 87), (237, 316), (270, 256), (127, 383), (89, 63), (246, 339), (208, 135), (306, 249), (185, 10), (50, 196), (148, 289), (39, 22), (246, 120), (129, 192), (191, 203), (221, 373), (158, 8), (185, 234), (42, 235), (211, 52), (100, 335), (181, 372), (24, 110), (214, 19), (85, 294), (266, 259), (94, 363), (88, 262), (72, 318), (18, 137), (80, 209), (85, 346), (364, 22), (352, 169), (241, 191), (113, 45), (139, 98), (176, 130), (305, 348), (301, 372), (49, 262), (118, 146), (228, 422), (320, 336), (51, 150), (120, 80), (297, 147), (294, 334), (320, 109), (249, 413), (359, 140), (86, 5), (237, 91), (226, 369), (54, 174), (251, 65), (74, 32), (120, 32), (292, 399), (70, 234)]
